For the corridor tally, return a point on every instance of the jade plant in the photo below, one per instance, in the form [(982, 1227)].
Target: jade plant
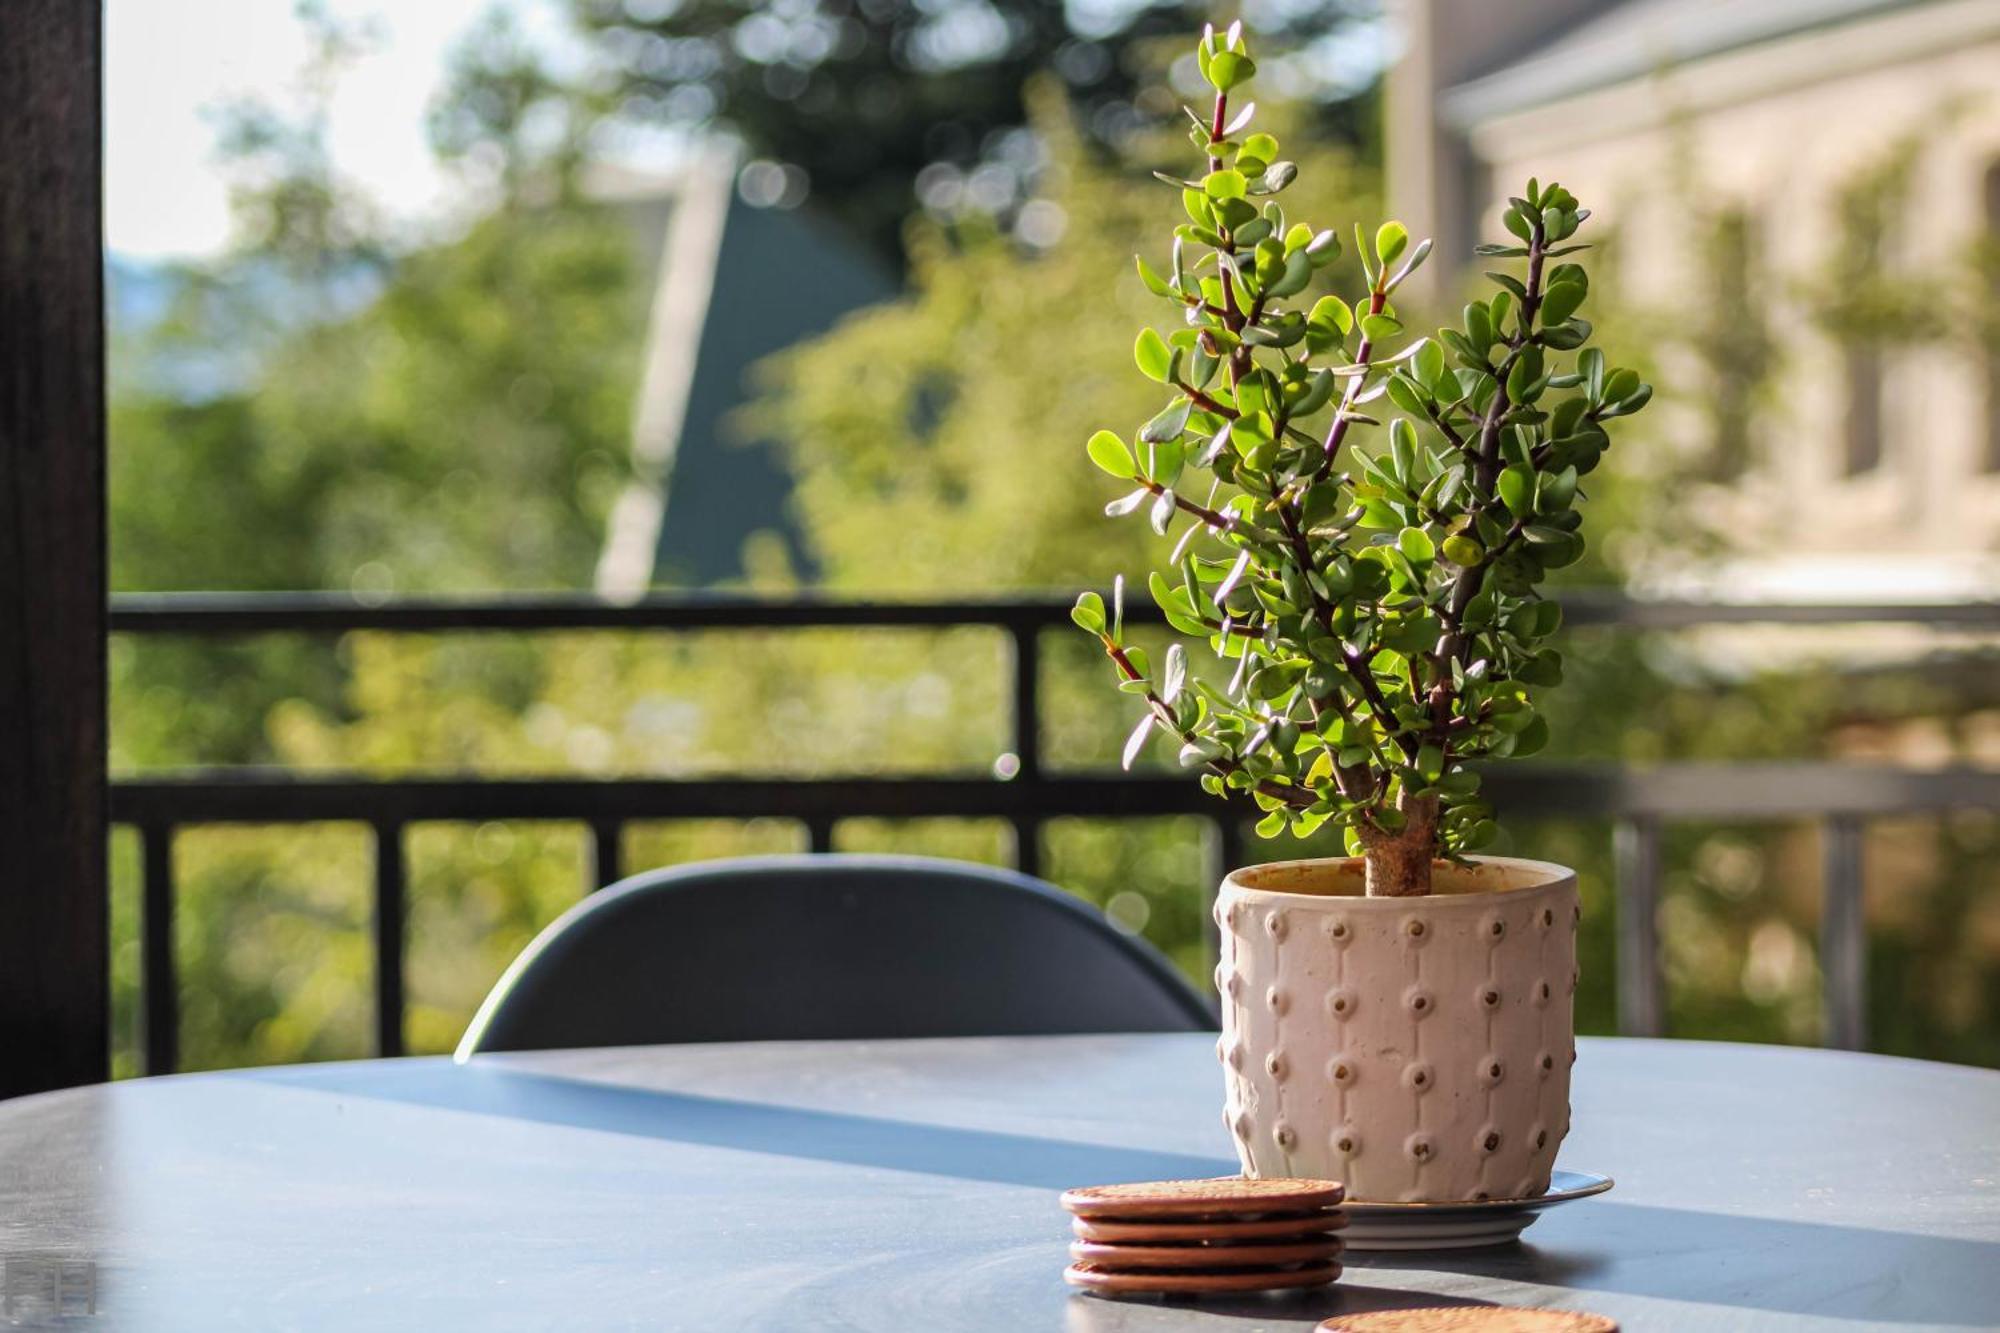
[(1360, 520)]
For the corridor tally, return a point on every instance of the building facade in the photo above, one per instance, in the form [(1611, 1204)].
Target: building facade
[(1801, 200)]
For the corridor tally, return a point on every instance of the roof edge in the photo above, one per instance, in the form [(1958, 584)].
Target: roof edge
[(1565, 68)]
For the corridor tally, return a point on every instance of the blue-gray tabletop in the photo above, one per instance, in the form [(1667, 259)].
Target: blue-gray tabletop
[(912, 1185)]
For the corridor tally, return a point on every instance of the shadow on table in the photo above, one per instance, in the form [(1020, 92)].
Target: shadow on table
[(1095, 1314), (718, 1122), (1750, 1263), (1718, 1259)]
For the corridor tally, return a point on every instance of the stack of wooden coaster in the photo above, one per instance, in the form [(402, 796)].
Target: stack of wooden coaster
[(1193, 1237)]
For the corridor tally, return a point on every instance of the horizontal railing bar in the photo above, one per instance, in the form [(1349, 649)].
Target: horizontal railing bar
[(276, 796), (1803, 789), (1549, 791), (1620, 612), (329, 612), (239, 613)]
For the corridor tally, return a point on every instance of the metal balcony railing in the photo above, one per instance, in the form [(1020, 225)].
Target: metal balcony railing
[(1637, 801)]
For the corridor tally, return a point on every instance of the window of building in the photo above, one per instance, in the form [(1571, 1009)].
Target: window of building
[(1735, 341)]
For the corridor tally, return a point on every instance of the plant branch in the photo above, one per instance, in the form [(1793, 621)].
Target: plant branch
[(1299, 798), (1217, 521), (1362, 354), (1453, 642), (1205, 402)]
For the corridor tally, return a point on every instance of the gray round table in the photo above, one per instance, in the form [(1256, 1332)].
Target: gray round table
[(912, 1186)]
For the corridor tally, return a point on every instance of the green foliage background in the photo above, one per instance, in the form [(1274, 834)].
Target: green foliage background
[(463, 428)]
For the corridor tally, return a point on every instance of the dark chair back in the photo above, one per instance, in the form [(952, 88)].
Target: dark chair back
[(828, 946)]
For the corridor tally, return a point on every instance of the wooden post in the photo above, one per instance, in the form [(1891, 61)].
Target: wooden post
[(1642, 1003), (1843, 950), (54, 986)]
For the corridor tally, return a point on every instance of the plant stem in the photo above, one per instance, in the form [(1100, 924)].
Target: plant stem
[(1338, 431), (1398, 864), (1486, 474), (1217, 521)]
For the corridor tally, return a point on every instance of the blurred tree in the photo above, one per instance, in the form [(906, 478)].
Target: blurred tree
[(508, 121), (289, 205), (950, 421), (865, 95), (371, 418)]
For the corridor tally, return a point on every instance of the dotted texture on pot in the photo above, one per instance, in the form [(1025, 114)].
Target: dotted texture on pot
[(1417, 1049)]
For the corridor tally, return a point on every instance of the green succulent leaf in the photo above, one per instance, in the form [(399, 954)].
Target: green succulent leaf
[(1228, 69), (1224, 184), (1276, 177), (1169, 424), (1330, 313), (1390, 239), (1559, 303), (1517, 490), (1462, 550), (1109, 452), (1154, 282), (1379, 328)]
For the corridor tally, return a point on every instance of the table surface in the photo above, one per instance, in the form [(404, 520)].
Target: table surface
[(912, 1186)]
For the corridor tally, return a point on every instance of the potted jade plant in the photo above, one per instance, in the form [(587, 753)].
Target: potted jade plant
[(1359, 522)]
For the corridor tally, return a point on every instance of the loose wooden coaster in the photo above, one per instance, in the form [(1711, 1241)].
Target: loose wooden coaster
[(1192, 1284), (1185, 1258), (1470, 1319), (1224, 1196), (1300, 1225)]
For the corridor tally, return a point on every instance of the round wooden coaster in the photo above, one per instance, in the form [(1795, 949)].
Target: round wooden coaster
[(1184, 1258), (1224, 1196), (1470, 1319), (1191, 1284), (1303, 1226)]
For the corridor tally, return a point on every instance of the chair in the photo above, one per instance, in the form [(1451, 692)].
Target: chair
[(828, 946)]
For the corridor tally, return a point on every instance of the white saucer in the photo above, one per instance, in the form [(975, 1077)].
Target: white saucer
[(1460, 1224)]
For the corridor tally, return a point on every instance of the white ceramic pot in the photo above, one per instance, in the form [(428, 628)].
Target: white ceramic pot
[(1416, 1049)]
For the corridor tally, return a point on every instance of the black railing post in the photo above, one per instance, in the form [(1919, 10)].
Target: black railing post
[(607, 853), (1843, 945), (1028, 845), (1026, 718), (391, 891), (157, 976), (1225, 855), (1641, 987), (1025, 735)]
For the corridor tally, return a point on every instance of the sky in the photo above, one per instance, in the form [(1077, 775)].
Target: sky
[(168, 62)]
